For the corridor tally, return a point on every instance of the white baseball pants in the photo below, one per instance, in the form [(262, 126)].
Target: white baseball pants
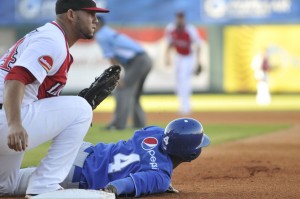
[(184, 70), (65, 120)]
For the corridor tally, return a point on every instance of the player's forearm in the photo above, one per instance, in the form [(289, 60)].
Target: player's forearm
[(13, 95), (150, 182), (123, 186)]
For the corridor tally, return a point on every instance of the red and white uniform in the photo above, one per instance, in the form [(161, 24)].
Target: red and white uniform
[(261, 66), (65, 120), (183, 41), (39, 52)]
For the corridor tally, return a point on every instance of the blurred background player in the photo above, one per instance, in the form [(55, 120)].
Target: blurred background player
[(33, 72), (140, 166), (184, 38), (121, 49), (261, 67)]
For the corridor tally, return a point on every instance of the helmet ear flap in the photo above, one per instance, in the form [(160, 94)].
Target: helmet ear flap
[(184, 138), (195, 154), (191, 156)]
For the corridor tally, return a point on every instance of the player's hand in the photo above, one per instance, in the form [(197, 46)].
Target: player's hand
[(17, 138), (111, 189)]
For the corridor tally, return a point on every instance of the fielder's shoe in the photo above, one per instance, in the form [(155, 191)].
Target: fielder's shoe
[(28, 196)]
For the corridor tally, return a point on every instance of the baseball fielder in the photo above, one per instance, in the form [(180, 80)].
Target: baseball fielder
[(261, 67), (182, 36), (32, 74), (139, 166)]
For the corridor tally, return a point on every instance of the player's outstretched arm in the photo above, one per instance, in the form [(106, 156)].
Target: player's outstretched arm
[(141, 183)]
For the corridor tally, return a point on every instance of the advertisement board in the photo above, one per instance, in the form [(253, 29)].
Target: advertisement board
[(158, 12), (250, 11)]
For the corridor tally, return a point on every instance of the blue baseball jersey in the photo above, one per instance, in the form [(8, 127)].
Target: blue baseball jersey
[(117, 45), (138, 164)]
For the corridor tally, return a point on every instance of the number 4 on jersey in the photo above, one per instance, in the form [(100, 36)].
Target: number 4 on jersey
[(9, 58), (121, 161)]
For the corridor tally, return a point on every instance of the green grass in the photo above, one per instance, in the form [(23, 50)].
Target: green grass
[(224, 133), (218, 133)]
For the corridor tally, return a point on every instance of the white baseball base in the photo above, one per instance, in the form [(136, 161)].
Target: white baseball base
[(76, 194)]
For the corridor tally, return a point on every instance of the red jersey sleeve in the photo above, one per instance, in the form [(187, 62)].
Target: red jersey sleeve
[(21, 74)]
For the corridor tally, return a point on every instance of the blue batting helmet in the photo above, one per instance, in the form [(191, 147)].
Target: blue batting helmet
[(184, 138)]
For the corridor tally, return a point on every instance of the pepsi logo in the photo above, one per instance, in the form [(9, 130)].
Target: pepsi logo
[(149, 143)]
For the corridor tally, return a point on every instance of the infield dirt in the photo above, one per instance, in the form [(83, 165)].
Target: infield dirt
[(266, 166)]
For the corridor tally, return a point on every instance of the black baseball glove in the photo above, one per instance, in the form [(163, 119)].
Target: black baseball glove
[(198, 70), (102, 86)]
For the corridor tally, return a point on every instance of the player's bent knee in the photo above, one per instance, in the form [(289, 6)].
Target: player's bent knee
[(84, 104), (84, 107)]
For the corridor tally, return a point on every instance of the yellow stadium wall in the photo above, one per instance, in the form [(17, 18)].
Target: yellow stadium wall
[(242, 43)]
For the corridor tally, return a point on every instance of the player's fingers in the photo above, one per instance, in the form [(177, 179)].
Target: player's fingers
[(17, 146), (10, 141), (24, 141), (16, 143), (13, 142)]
